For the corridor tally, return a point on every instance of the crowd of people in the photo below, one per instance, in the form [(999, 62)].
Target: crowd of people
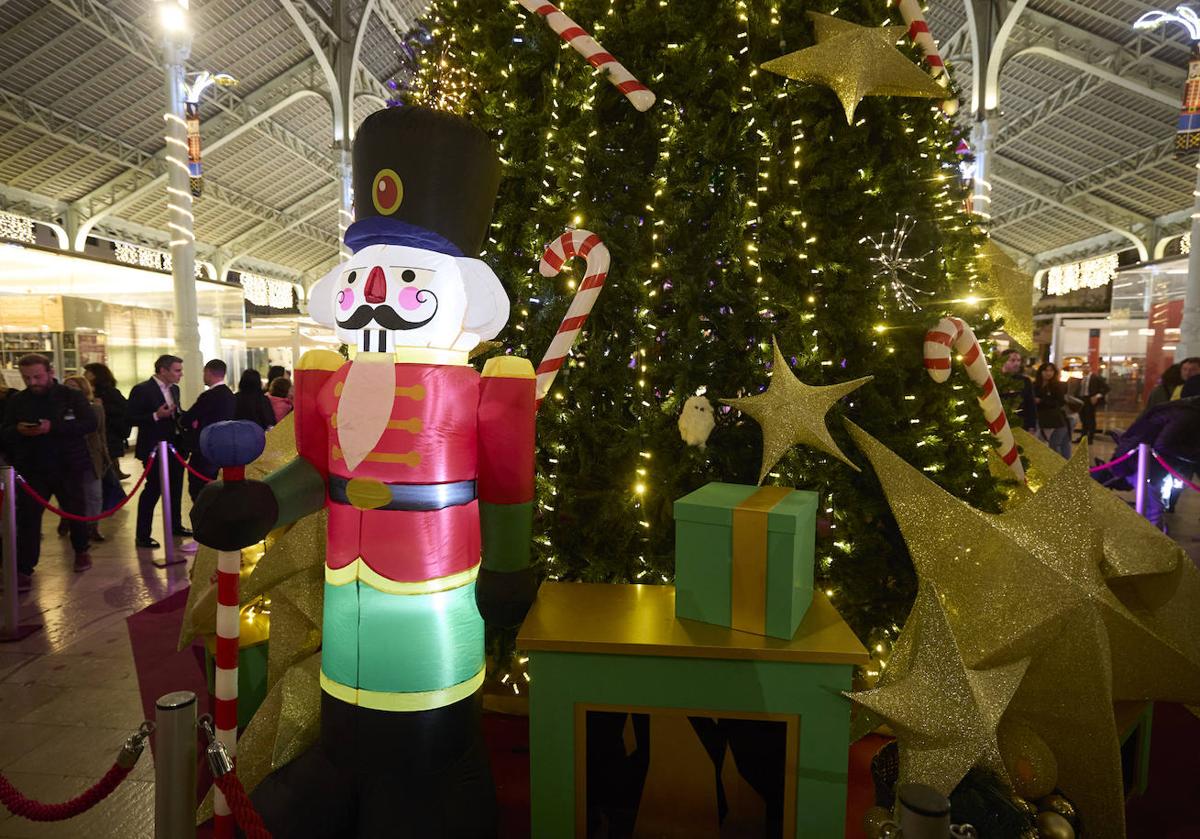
[(66, 438), (1169, 425)]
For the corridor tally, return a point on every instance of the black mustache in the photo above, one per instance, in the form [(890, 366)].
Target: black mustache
[(386, 316)]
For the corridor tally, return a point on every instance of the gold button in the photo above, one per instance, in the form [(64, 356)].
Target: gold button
[(368, 493)]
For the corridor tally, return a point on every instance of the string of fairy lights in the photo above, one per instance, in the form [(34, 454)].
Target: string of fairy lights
[(444, 81)]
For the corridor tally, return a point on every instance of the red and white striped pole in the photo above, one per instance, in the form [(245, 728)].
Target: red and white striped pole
[(586, 245), (230, 445), (229, 569)]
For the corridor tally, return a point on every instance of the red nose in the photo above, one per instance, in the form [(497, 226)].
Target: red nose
[(376, 289)]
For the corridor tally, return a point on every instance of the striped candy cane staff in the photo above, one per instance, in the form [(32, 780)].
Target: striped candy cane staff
[(918, 32), (571, 32), (230, 445), (955, 333), (586, 245)]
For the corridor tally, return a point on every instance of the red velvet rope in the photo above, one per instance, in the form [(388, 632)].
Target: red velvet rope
[(188, 466), (1177, 476), (32, 493), (1112, 463), (36, 811), (243, 810)]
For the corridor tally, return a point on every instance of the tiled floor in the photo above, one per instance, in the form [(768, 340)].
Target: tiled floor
[(68, 692)]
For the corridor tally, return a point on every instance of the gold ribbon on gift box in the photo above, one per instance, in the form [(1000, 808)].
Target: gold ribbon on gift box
[(749, 590)]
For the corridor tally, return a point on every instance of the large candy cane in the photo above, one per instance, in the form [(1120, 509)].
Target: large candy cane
[(953, 333), (571, 32), (918, 32), (586, 245)]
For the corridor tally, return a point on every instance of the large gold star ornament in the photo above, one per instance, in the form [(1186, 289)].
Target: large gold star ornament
[(856, 61), (1007, 292), (793, 413), (1031, 582), (944, 713)]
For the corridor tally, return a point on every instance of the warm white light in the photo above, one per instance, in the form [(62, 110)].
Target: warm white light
[(172, 15), (1091, 273)]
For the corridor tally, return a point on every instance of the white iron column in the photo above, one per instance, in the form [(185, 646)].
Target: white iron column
[(179, 204), (981, 144), (346, 193), (1189, 329)]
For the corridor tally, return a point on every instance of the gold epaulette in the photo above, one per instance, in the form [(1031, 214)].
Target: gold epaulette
[(321, 360), (508, 367)]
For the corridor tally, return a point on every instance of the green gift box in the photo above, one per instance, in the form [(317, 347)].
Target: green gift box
[(744, 557)]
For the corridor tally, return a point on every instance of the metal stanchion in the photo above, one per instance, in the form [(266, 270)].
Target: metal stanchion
[(1143, 468), (175, 766), (164, 480), (13, 630)]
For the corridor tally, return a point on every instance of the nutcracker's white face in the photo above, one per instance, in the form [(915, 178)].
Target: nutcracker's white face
[(390, 296)]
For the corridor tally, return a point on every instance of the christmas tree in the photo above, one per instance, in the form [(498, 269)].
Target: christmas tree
[(742, 206)]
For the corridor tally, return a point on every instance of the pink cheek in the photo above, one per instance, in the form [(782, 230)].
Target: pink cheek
[(345, 299), (409, 298)]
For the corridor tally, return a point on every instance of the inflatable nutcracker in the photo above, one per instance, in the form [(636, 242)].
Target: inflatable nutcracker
[(426, 468)]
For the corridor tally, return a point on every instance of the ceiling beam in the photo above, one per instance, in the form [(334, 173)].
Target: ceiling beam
[(48, 211), (1100, 220), (1165, 96), (1043, 186), (1130, 60), (63, 127), (235, 244)]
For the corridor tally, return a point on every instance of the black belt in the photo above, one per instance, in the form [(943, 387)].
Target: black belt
[(412, 496)]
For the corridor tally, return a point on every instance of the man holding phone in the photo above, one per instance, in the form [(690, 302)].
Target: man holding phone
[(153, 407), (45, 426)]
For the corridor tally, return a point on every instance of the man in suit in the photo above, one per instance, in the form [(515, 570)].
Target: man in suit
[(216, 404), (1089, 389), (153, 408)]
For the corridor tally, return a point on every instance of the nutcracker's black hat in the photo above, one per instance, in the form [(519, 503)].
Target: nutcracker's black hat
[(422, 178)]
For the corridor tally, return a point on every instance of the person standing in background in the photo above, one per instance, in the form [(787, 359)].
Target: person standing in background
[(45, 427), (279, 392), (216, 404), (153, 408), (1187, 368), (1090, 390), (1162, 392), (1017, 388), (97, 445), (116, 423), (276, 371), (1051, 397), (252, 403)]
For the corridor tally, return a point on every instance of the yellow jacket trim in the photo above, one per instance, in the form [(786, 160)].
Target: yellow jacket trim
[(412, 458), (417, 701), (359, 570), (414, 392), (429, 355), (413, 425), (508, 367), (321, 360)]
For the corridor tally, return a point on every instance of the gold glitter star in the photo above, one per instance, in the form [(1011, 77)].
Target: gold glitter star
[(945, 714), (792, 413), (856, 61), (1008, 293), (1030, 582)]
